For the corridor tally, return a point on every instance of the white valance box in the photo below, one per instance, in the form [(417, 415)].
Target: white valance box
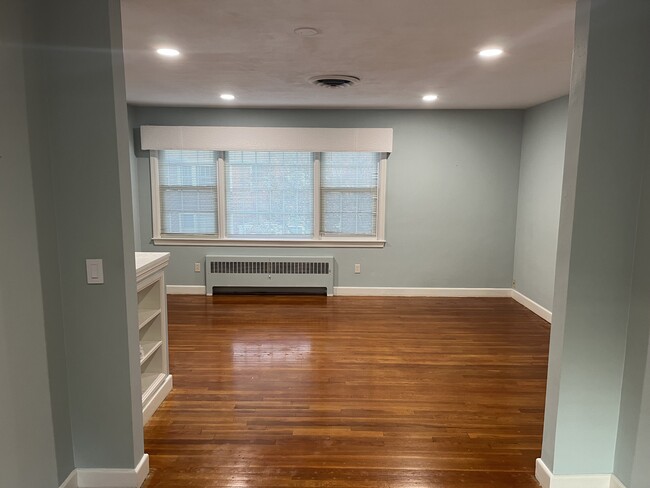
[(156, 137)]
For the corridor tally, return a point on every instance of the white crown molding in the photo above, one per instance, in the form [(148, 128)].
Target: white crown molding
[(114, 478), (549, 480), (532, 306)]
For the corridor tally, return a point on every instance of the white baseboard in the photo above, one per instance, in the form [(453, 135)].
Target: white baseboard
[(157, 399), (70, 481), (186, 289), (114, 478), (549, 480), (386, 291), (381, 291), (532, 306), (377, 291)]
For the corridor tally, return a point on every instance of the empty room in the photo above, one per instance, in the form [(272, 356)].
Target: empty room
[(308, 243)]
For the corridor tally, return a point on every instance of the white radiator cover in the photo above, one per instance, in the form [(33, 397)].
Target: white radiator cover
[(269, 271)]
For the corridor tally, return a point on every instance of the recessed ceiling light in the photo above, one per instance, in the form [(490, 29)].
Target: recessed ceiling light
[(492, 52), (227, 96), (430, 98), (168, 52), (306, 31)]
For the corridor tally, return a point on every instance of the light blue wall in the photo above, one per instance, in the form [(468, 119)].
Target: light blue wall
[(87, 141), (633, 440), (538, 208), (26, 423), (604, 167), (451, 195), (69, 371), (48, 246)]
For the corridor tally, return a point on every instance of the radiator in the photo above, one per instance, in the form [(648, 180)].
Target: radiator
[(268, 273)]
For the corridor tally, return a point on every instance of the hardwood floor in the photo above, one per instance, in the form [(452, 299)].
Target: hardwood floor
[(350, 392)]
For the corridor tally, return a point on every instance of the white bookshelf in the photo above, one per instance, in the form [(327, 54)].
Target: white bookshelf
[(152, 327)]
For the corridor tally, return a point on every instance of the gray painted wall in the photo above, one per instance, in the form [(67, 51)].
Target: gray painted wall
[(26, 424), (87, 140), (538, 208), (604, 168), (633, 440), (47, 243), (451, 195)]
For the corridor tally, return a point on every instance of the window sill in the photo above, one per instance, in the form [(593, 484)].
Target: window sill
[(203, 241)]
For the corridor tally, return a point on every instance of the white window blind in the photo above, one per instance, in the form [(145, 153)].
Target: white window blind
[(349, 193), (269, 194), (188, 192)]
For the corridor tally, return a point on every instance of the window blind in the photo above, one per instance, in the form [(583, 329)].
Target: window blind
[(349, 193), (188, 192), (269, 194)]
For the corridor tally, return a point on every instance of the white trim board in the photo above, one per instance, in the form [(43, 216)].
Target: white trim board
[(381, 291), (70, 481), (158, 397), (308, 139), (186, 289), (114, 478), (549, 480), (532, 306), (377, 291)]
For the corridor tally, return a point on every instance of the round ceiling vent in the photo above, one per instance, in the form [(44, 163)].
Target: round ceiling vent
[(334, 81)]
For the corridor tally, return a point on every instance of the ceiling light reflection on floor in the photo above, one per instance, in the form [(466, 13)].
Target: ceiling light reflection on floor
[(271, 352)]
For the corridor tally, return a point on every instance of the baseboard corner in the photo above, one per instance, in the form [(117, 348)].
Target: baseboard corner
[(114, 478), (543, 474), (547, 479), (71, 480), (531, 305)]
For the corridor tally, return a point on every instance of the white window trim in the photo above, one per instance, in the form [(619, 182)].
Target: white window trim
[(221, 240), (214, 242)]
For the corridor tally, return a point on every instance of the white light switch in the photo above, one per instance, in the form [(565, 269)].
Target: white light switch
[(94, 271)]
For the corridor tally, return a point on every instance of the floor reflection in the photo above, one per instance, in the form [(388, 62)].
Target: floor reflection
[(276, 352)]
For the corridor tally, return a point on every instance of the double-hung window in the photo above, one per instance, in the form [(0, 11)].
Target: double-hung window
[(349, 193), (269, 195), (259, 197), (188, 192)]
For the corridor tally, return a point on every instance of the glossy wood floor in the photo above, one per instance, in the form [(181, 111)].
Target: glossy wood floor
[(350, 392)]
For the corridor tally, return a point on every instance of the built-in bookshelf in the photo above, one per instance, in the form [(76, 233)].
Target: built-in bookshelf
[(152, 327)]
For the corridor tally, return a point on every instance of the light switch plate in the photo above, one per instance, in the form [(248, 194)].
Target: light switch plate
[(94, 271)]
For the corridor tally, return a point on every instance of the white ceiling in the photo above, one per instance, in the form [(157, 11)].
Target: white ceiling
[(401, 50)]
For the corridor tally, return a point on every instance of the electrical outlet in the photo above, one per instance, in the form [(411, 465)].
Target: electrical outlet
[(357, 268), (197, 267)]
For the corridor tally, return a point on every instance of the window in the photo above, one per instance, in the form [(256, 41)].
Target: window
[(268, 198), (349, 185), (269, 194), (188, 192)]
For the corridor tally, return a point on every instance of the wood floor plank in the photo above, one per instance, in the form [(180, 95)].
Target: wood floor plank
[(336, 392)]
